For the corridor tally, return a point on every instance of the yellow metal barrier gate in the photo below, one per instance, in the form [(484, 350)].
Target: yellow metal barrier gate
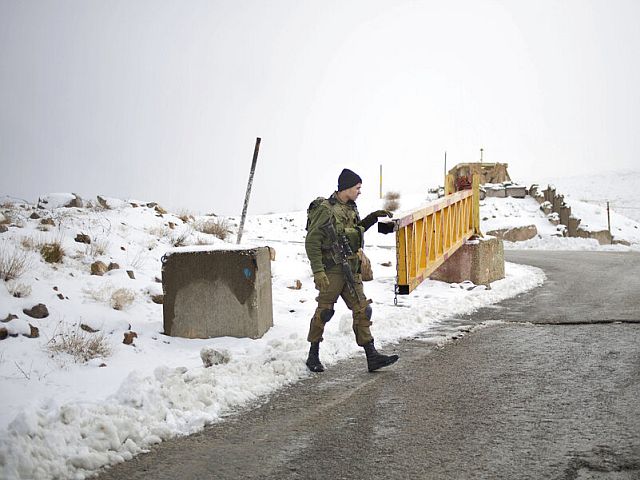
[(426, 237)]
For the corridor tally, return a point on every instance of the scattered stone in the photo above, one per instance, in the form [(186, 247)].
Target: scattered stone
[(160, 210), (83, 238), (34, 216), (159, 299), (113, 266), (132, 275), (386, 264), (61, 296), (211, 356), (151, 204), (35, 332), (158, 280), (3, 229), (122, 248), (55, 289), (98, 268), (10, 317), (297, 286), (128, 337), (87, 328), (48, 221), (134, 205), (37, 311), (102, 365), (103, 202), (172, 225), (302, 300), (4, 333)]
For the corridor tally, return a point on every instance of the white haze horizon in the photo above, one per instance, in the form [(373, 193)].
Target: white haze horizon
[(163, 100)]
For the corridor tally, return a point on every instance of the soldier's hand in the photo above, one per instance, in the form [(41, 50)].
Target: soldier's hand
[(321, 280), (382, 213)]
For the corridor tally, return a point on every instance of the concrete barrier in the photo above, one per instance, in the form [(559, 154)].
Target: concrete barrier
[(214, 293), (481, 261)]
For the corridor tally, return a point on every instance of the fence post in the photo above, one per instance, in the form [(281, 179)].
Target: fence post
[(476, 204)]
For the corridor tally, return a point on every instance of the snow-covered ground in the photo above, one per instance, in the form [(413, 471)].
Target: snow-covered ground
[(61, 417)]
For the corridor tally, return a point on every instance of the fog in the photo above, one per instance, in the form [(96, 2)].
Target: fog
[(160, 100)]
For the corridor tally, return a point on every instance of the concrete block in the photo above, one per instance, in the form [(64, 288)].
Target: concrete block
[(565, 213), (481, 261), (214, 293), (574, 223), (515, 234), (497, 192), (516, 191), (557, 202)]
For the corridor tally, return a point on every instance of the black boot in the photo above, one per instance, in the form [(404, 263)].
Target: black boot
[(313, 360), (377, 360)]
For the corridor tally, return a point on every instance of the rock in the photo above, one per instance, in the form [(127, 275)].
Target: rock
[(3, 228), (37, 311), (61, 296), (35, 332), (4, 333), (10, 317), (103, 202), (296, 286), (554, 218), (132, 275), (128, 337), (160, 210), (546, 207), (386, 264), (98, 268), (172, 225), (48, 221), (516, 234), (113, 266), (83, 238), (211, 356), (620, 242), (102, 365), (87, 328), (34, 216), (159, 299)]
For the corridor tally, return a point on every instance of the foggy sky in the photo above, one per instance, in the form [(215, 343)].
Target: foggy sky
[(162, 100)]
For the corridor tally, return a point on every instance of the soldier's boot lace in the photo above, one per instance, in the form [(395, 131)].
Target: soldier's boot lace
[(376, 360), (313, 360)]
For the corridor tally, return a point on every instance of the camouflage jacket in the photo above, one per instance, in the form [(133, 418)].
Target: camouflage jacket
[(346, 220)]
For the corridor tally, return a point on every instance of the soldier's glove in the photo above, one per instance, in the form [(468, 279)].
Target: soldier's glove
[(370, 220), (321, 280)]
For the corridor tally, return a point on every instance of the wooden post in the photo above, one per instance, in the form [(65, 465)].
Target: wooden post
[(246, 197)]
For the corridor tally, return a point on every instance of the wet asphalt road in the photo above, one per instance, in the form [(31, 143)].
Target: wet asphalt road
[(557, 397)]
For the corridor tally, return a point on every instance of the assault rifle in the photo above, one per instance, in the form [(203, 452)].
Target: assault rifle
[(340, 251)]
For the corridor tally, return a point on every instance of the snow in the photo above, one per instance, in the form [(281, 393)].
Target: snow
[(65, 418)]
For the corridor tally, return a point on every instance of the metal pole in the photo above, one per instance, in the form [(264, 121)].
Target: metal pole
[(445, 164), (608, 218), (246, 197)]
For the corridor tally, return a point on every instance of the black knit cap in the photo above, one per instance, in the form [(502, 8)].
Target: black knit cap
[(348, 179)]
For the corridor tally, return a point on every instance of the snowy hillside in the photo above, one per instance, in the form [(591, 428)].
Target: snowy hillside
[(125, 385)]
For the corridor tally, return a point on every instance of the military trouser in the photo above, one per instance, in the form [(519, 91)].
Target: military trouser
[(360, 308)]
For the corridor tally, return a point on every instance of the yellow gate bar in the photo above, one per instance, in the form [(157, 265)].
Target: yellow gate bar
[(428, 236)]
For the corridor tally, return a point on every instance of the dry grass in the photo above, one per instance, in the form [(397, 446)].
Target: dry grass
[(97, 247), (18, 290), (52, 252), (392, 196), (185, 215), (391, 205), (14, 262), (218, 227), (80, 345)]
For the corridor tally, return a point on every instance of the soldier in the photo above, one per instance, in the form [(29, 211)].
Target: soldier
[(329, 277)]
